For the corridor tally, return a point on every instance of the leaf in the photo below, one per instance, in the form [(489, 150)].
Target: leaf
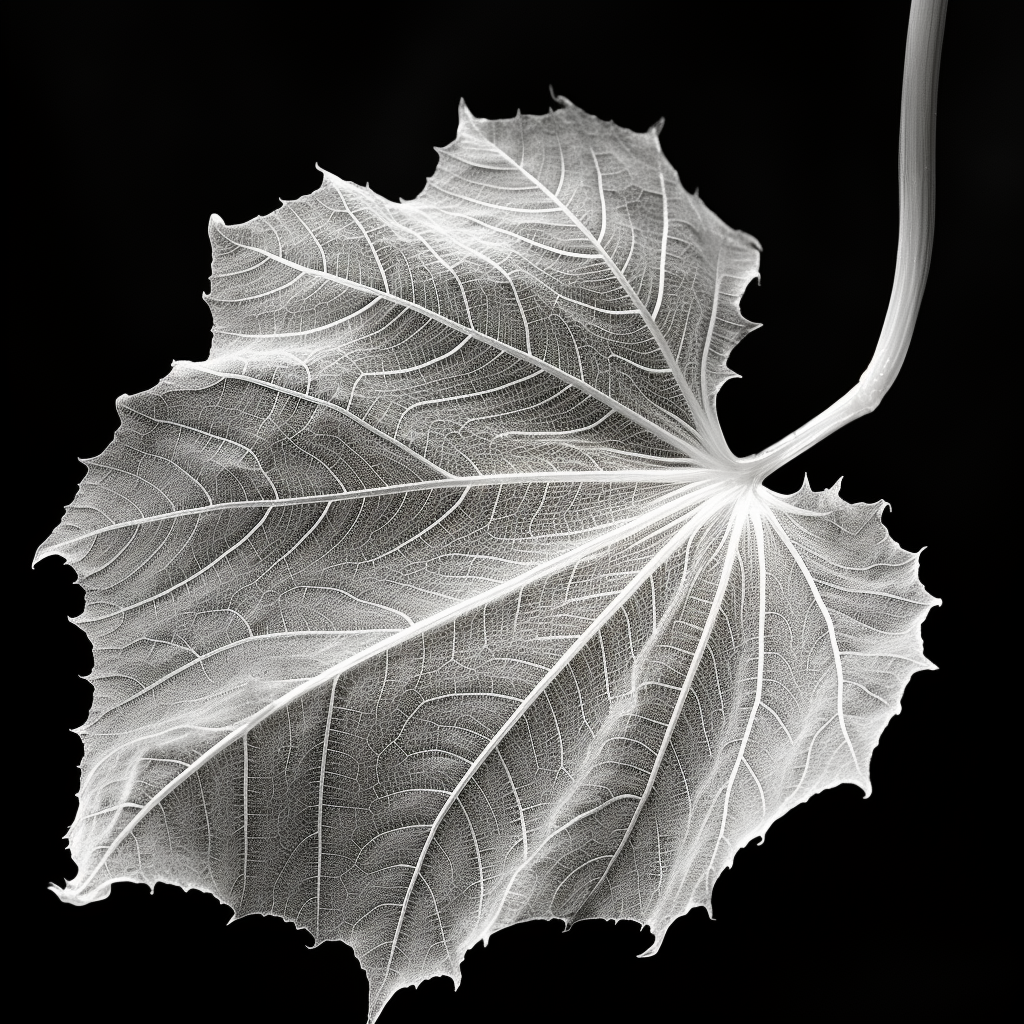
[(435, 600)]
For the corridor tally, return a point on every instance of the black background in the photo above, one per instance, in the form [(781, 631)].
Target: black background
[(786, 118)]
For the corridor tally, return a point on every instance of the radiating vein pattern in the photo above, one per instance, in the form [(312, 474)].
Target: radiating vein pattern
[(435, 601)]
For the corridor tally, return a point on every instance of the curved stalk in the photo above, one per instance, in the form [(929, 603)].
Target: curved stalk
[(913, 255)]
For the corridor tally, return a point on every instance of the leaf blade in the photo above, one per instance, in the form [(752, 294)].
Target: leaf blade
[(453, 523)]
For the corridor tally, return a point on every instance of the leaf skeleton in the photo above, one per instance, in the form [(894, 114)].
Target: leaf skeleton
[(435, 600)]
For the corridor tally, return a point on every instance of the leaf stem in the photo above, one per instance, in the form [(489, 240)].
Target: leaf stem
[(913, 255)]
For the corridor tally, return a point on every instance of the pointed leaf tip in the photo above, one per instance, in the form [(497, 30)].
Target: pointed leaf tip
[(652, 950)]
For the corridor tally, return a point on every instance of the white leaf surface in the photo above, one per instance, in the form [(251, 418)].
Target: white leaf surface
[(435, 601)]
